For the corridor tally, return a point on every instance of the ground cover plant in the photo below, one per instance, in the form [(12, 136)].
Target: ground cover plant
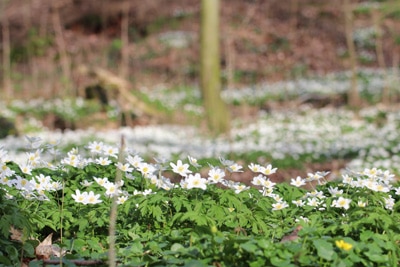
[(287, 139), (371, 83), (204, 219), (57, 198), (63, 183)]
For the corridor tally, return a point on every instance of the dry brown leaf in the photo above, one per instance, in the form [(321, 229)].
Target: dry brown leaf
[(293, 235), (16, 234), (45, 249)]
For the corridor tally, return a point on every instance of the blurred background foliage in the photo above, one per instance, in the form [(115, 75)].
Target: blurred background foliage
[(155, 43)]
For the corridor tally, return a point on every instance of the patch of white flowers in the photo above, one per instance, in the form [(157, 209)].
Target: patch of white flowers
[(36, 186), (304, 134)]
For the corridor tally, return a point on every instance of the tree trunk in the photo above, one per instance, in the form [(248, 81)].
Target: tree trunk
[(376, 18), (6, 54), (124, 66), (62, 50), (217, 114), (354, 96)]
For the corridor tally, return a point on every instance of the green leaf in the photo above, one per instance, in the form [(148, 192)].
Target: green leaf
[(374, 257), (195, 217), (79, 244), (177, 204), (324, 249), (12, 252), (176, 235), (136, 248), (279, 262), (198, 207), (249, 247), (156, 212), (375, 253), (176, 247), (365, 235), (83, 224), (5, 261), (5, 225), (264, 244), (259, 262), (219, 239), (254, 227), (95, 245), (342, 263), (35, 263), (195, 263), (29, 249), (217, 212)]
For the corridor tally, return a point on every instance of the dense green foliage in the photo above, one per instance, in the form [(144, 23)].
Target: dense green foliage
[(227, 224)]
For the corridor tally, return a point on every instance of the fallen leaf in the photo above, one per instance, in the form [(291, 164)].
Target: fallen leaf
[(292, 236), (45, 249), (16, 234)]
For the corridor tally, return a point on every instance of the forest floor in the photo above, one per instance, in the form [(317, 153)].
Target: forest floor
[(260, 40)]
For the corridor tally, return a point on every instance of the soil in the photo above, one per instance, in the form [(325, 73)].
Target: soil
[(260, 40)]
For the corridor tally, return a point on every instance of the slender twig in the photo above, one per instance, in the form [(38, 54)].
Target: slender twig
[(112, 258), (62, 218)]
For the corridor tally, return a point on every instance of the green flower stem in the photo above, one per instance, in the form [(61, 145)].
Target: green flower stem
[(62, 218)]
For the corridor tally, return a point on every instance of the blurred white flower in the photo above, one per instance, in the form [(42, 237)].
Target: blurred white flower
[(96, 147), (268, 170), (341, 202), (103, 161), (194, 162), (280, 205), (215, 175), (195, 181), (298, 182), (124, 167), (180, 168), (110, 151)]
